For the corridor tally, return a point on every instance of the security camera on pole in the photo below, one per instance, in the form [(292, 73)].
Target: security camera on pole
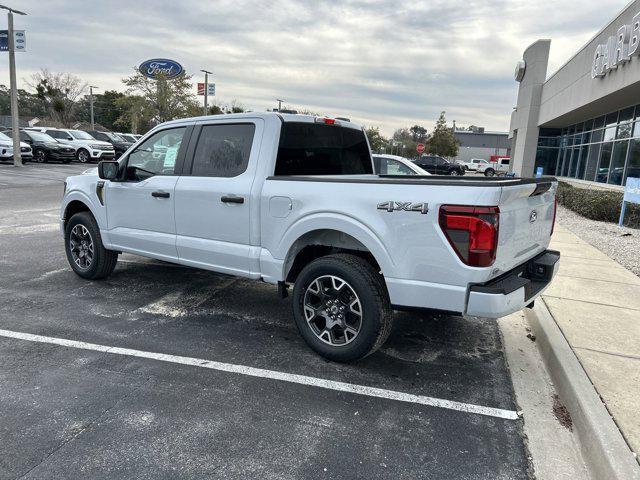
[(15, 41)]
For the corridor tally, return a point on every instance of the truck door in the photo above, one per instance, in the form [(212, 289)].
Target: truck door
[(214, 205), (140, 209)]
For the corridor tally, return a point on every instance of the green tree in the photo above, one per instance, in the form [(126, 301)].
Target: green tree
[(442, 141), (418, 134), (377, 142), (136, 116), (166, 99), (404, 144)]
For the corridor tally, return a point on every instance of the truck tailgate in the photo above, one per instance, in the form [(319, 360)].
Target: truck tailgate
[(526, 221)]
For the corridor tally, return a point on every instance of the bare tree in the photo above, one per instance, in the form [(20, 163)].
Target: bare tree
[(59, 94)]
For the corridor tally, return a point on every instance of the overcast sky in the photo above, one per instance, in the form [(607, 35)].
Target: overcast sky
[(383, 63)]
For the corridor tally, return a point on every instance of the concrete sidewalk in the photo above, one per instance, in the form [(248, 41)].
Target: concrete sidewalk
[(596, 303)]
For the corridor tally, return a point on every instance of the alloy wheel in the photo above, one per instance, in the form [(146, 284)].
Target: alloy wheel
[(332, 310), (81, 246), (83, 156)]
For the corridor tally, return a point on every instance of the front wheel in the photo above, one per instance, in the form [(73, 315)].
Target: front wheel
[(83, 245), (454, 172), (341, 307), (83, 156), (40, 156)]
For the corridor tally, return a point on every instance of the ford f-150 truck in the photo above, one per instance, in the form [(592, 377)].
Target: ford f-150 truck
[(292, 200)]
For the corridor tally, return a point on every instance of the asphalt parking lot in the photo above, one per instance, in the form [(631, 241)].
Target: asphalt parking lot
[(73, 410)]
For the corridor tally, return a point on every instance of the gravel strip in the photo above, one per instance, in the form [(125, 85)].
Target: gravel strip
[(622, 244)]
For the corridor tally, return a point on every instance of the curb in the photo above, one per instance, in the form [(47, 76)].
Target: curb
[(603, 448)]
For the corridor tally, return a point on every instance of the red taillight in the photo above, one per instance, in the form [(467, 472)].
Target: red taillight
[(472, 232), (555, 210)]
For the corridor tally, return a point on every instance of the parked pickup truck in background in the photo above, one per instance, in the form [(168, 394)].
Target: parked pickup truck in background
[(293, 200)]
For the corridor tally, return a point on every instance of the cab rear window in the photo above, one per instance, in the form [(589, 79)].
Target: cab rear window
[(318, 149)]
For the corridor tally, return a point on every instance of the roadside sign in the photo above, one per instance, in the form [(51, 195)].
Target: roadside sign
[(631, 195), (211, 89), (19, 40), (420, 147), (539, 171)]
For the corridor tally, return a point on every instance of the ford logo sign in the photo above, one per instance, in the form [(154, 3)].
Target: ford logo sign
[(161, 68)]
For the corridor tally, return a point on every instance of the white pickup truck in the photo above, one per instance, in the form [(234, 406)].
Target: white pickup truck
[(293, 200)]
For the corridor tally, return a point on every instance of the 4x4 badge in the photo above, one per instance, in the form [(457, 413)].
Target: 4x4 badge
[(404, 206)]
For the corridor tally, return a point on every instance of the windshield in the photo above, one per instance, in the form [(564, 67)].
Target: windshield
[(80, 135), (4, 137), (318, 149), (128, 138), (115, 137), (41, 137)]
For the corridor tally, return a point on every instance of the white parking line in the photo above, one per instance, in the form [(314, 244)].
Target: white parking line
[(26, 229), (272, 375)]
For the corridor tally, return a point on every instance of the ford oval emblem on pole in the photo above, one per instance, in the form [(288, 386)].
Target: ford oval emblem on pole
[(161, 68), (533, 216)]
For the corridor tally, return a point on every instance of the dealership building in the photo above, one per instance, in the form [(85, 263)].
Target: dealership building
[(583, 121)]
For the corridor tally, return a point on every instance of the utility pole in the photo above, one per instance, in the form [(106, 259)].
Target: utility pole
[(91, 87), (15, 124), (206, 90), (279, 104)]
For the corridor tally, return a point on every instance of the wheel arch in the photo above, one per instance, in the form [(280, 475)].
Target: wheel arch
[(77, 202), (342, 236)]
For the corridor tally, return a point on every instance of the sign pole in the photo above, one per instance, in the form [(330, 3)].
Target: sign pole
[(15, 124), (206, 91), (624, 204)]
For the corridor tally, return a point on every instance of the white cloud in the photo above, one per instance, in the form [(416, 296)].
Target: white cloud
[(384, 63)]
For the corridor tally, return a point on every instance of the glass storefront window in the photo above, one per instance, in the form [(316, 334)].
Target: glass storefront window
[(624, 130), (547, 158), (596, 136), (610, 133), (611, 119), (574, 162), (598, 122), (592, 161), (636, 129), (583, 161), (616, 171), (602, 174), (588, 125), (633, 165), (626, 114)]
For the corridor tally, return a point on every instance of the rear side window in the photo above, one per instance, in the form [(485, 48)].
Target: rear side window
[(318, 149), (223, 150)]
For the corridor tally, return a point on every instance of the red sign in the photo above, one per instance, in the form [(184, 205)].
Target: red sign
[(200, 88), (420, 147)]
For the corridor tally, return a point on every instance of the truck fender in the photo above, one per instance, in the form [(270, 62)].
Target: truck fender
[(289, 246), (78, 196)]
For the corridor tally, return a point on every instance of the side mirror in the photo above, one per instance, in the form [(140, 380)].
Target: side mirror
[(70, 138), (108, 170)]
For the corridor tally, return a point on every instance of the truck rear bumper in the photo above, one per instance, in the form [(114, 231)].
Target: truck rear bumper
[(515, 289)]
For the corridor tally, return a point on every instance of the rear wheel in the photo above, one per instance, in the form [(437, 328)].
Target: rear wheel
[(83, 244), (454, 172), (341, 307), (489, 172)]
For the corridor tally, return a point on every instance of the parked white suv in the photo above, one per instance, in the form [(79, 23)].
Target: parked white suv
[(6, 148), (294, 200), (87, 147)]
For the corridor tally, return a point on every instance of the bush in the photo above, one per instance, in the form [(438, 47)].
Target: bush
[(601, 205)]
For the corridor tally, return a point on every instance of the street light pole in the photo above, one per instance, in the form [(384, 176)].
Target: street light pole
[(206, 90), (15, 124), (91, 87), (279, 104)]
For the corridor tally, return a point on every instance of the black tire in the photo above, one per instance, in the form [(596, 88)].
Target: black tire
[(454, 171), (489, 172), (83, 156), (368, 285), (103, 261), (40, 156)]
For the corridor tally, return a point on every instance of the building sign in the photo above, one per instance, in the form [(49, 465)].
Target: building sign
[(631, 195), (618, 50), (161, 68), (19, 41), (211, 88)]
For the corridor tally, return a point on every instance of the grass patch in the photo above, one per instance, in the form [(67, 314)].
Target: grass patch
[(601, 205)]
